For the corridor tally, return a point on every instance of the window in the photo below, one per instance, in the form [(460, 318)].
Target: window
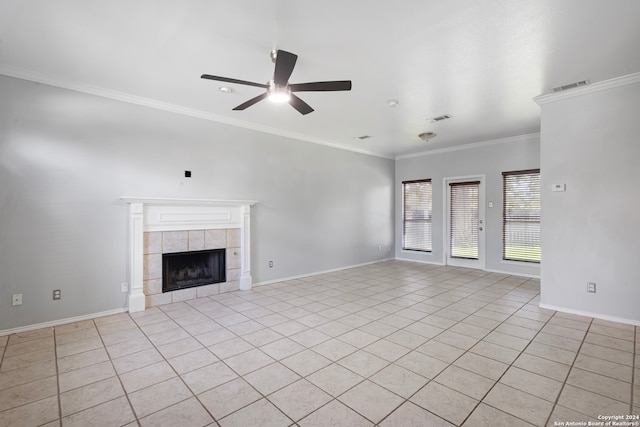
[(416, 221), (521, 216)]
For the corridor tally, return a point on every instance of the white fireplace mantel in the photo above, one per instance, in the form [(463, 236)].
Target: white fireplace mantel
[(164, 214)]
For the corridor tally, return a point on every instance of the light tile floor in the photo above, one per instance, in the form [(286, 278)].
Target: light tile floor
[(388, 344)]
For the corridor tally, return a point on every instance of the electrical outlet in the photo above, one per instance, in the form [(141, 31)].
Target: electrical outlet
[(591, 287), (124, 287), (270, 264), (17, 299), (57, 294)]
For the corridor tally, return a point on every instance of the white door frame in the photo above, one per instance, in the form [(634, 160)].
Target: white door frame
[(460, 262)]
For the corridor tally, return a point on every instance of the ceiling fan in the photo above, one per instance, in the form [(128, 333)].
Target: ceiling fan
[(279, 89)]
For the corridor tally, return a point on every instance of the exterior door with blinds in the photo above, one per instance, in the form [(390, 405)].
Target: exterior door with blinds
[(465, 223)]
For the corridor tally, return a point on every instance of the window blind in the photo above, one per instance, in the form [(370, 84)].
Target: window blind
[(464, 216), (521, 216), (417, 212)]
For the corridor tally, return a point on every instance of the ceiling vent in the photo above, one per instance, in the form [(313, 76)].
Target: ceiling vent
[(570, 86), (440, 118)]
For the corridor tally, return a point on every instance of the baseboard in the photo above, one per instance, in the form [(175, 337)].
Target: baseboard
[(589, 314), (531, 276), (420, 261), (316, 273), (61, 322)]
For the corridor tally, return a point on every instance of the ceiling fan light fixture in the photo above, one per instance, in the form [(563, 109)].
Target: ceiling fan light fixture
[(278, 94), (426, 136)]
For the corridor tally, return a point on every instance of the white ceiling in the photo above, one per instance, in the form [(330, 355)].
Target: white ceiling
[(482, 61)]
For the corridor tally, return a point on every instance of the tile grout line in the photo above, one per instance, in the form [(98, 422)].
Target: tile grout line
[(393, 291), (266, 397), (509, 367), (155, 347), (564, 383), (503, 322), (4, 351), (55, 355), (126, 395), (379, 339), (633, 368), (468, 350), (220, 360), (407, 400)]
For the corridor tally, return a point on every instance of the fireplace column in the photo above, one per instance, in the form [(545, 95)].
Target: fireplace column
[(245, 261), (136, 228)]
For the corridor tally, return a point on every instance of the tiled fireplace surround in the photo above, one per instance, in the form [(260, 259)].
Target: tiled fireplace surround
[(157, 243), (158, 226)]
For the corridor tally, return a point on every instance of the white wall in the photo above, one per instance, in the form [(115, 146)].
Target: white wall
[(590, 232), (489, 159), (66, 158)]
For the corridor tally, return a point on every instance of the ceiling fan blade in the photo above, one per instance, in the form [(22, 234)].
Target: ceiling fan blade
[(285, 61), (250, 102), (321, 86), (302, 107), (229, 80)]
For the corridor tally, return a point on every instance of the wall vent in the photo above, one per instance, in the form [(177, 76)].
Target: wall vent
[(570, 86), (440, 118)]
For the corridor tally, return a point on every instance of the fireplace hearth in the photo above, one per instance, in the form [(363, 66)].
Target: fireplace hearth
[(181, 270)]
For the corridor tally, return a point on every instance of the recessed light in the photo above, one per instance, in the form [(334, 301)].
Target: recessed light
[(362, 137), (393, 103), (225, 89)]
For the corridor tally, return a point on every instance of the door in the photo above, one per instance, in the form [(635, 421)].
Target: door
[(465, 222)]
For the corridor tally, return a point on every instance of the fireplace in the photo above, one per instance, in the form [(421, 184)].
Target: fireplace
[(167, 226), (183, 270)]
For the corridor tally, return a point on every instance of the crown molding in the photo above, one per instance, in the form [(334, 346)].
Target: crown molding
[(507, 140), (188, 202), (591, 88), (36, 77)]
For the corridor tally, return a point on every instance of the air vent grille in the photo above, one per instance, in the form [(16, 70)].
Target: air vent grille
[(440, 118), (570, 86)]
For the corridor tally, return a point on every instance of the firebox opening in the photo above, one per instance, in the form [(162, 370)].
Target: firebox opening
[(182, 270)]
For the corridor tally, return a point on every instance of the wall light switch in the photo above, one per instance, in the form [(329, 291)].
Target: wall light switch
[(559, 187)]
